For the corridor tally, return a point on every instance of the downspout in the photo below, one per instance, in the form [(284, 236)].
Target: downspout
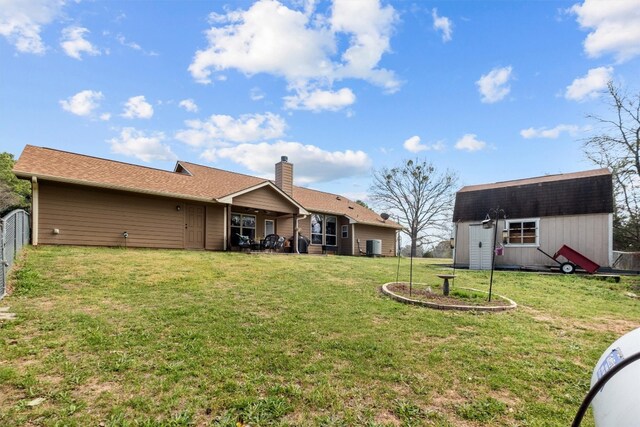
[(35, 210), (226, 228), (296, 234), (353, 240), (610, 239)]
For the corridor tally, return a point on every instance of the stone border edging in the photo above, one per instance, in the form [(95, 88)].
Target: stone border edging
[(511, 306)]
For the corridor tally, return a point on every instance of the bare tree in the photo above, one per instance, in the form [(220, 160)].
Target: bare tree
[(617, 147), (420, 195)]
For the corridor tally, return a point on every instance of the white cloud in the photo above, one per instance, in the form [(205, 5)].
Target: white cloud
[(369, 26), (133, 45), (614, 25), (301, 46), (21, 22), (189, 105), (319, 100), (552, 133), (256, 94), (137, 107), (470, 142), (414, 145), (74, 43), (82, 103), (135, 143), (443, 24), (312, 163), (494, 86), (269, 38), (590, 85), (220, 130), (123, 41), (105, 117)]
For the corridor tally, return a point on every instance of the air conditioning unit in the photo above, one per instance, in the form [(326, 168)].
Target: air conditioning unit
[(374, 248)]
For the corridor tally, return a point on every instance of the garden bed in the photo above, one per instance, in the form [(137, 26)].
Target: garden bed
[(465, 299)]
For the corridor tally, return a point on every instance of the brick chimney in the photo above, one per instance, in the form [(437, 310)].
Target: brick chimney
[(284, 175)]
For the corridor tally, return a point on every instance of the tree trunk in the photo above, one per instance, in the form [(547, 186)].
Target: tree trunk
[(414, 243)]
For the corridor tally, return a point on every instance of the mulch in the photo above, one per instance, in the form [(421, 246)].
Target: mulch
[(422, 293)]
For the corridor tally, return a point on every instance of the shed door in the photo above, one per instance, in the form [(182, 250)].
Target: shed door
[(480, 246), (194, 227)]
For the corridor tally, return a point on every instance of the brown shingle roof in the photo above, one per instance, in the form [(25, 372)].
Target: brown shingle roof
[(321, 202), (202, 183), (57, 165)]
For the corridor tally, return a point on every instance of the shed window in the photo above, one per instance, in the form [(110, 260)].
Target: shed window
[(523, 232)]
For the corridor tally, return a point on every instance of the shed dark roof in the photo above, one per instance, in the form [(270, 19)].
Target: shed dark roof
[(587, 192)]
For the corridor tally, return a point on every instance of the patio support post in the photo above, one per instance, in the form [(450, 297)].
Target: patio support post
[(35, 211), (227, 227), (294, 248)]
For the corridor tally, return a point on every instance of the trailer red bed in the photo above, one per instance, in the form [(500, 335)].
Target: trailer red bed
[(574, 258)]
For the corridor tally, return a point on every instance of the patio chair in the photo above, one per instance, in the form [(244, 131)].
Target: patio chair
[(244, 242), (279, 246), (270, 242)]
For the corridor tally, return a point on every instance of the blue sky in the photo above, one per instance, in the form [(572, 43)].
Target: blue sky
[(492, 90)]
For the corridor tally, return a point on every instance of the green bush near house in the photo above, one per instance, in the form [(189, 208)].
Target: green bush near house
[(180, 338)]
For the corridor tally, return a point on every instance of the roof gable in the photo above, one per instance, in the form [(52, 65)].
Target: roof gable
[(267, 196), (588, 192)]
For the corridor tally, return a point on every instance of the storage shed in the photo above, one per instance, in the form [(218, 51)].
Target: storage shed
[(574, 209)]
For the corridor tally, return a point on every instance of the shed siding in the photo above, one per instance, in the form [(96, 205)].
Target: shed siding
[(369, 232), (214, 226), (96, 217), (587, 234), (265, 198)]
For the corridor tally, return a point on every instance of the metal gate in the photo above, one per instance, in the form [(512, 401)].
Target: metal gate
[(15, 234)]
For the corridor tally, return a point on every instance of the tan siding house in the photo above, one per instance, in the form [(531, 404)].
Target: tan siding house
[(545, 213), (83, 200)]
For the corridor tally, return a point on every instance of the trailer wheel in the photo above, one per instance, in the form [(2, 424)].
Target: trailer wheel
[(567, 268)]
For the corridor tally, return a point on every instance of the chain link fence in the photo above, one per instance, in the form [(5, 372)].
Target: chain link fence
[(15, 231)]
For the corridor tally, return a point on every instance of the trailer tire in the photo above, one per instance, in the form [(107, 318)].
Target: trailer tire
[(567, 268)]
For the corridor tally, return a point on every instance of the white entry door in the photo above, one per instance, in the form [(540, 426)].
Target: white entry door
[(480, 247), (269, 227)]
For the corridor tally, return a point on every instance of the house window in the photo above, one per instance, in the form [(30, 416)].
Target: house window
[(324, 230), (244, 225), (331, 236), (317, 222), (523, 232), (345, 231)]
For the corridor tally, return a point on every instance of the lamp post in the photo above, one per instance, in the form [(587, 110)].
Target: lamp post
[(488, 223)]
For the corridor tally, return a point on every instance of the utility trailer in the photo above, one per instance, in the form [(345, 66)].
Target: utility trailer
[(574, 258)]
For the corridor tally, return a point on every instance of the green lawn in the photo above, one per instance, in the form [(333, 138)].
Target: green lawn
[(119, 337)]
